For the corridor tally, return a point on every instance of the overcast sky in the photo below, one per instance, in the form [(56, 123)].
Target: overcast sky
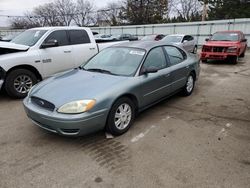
[(18, 7)]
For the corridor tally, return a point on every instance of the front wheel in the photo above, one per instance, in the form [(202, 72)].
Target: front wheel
[(121, 116), (189, 87), (18, 83), (233, 59)]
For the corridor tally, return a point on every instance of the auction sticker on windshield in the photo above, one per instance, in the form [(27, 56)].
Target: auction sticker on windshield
[(135, 52)]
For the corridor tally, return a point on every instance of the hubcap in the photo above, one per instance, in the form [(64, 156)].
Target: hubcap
[(190, 84), (123, 116), (23, 84)]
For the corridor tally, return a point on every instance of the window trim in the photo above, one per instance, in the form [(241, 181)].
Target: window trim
[(54, 32), (69, 38), (146, 56), (184, 54)]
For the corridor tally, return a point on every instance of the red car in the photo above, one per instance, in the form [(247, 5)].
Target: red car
[(225, 45)]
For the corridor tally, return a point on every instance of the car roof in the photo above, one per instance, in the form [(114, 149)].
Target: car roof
[(229, 32), (178, 35), (146, 45), (58, 28)]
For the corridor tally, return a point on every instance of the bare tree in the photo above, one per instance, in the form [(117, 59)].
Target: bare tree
[(111, 13), (84, 14), (47, 15), (65, 11), (184, 8)]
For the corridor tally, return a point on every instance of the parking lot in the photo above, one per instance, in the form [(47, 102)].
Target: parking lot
[(197, 141)]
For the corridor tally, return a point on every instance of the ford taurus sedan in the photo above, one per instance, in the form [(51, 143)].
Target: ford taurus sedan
[(111, 88)]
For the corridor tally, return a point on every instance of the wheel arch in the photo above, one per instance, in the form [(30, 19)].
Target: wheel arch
[(27, 67)]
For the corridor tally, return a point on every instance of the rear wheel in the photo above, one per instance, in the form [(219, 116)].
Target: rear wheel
[(189, 87), (18, 83), (121, 116)]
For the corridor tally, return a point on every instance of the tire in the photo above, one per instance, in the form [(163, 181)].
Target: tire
[(113, 126), (195, 50), (189, 86), (233, 60), (204, 60), (243, 54), (18, 83)]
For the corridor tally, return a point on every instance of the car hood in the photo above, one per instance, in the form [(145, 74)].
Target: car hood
[(222, 43), (75, 85), (9, 47)]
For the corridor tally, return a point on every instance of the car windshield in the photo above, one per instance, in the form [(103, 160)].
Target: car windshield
[(225, 37), (117, 61), (174, 39), (29, 37)]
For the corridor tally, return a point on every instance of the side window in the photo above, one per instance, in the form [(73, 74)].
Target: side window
[(175, 55), (78, 37), (60, 36), (185, 38), (155, 59), (191, 38)]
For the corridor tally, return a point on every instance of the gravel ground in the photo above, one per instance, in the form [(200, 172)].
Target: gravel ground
[(197, 141)]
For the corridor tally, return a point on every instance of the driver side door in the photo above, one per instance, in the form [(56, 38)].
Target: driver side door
[(155, 86), (58, 58)]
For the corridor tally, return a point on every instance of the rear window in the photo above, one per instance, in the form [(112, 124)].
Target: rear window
[(79, 37)]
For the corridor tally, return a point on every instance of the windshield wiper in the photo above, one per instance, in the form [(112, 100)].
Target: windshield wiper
[(100, 70)]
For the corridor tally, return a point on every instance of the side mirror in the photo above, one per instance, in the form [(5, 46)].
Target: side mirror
[(149, 70), (244, 40), (50, 43), (207, 39)]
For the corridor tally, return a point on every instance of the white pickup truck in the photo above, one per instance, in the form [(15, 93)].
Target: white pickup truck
[(41, 52)]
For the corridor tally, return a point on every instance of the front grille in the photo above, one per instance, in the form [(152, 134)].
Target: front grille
[(43, 103), (218, 49), (207, 49)]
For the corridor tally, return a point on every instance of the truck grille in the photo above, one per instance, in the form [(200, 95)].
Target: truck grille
[(218, 49), (213, 49), (43, 103)]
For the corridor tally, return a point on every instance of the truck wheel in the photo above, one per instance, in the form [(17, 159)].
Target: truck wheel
[(18, 83), (233, 60), (121, 116)]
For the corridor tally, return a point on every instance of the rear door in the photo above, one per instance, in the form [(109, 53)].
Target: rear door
[(58, 58), (82, 47), (179, 66), (155, 85)]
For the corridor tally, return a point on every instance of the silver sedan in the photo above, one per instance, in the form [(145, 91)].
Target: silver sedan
[(188, 42)]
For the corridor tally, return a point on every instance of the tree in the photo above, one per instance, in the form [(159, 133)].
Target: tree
[(84, 15), (228, 9), (65, 11), (185, 9), (47, 15), (145, 11), (111, 13)]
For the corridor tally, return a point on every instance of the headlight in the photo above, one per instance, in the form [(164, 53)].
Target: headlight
[(77, 107), (232, 49)]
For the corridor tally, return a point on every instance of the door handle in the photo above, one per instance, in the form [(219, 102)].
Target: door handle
[(92, 48), (167, 75), (67, 51)]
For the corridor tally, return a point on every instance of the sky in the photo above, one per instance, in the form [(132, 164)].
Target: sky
[(18, 7)]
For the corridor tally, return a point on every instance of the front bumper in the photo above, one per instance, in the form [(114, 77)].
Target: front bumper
[(216, 55), (64, 124)]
